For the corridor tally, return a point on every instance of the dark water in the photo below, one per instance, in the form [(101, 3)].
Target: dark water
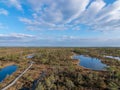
[(89, 62), (7, 71)]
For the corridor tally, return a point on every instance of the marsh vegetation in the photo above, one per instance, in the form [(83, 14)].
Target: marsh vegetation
[(61, 71)]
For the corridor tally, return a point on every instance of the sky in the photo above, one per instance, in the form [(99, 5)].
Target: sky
[(60, 23)]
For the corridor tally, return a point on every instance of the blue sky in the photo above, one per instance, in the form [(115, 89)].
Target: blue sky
[(60, 23)]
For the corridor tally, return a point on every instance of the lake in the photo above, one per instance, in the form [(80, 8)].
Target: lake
[(89, 62), (4, 72)]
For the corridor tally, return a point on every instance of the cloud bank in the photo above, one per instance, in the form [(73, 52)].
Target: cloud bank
[(94, 15), (15, 37), (69, 14)]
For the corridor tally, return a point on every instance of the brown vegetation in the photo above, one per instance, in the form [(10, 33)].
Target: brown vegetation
[(62, 72)]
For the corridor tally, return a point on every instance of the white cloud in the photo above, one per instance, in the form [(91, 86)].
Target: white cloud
[(79, 6), (88, 16), (67, 14), (16, 3), (52, 14), (26, 21), (15, 37), (13, 3), (57, 11), (20, 35), (3, 11), (19, 39)]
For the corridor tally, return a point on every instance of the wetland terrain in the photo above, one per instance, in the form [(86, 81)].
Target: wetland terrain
[(60, 68)]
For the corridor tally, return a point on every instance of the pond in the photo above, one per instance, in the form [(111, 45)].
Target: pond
[(7, 71), (30, 56), (89, 62), (112, 57)]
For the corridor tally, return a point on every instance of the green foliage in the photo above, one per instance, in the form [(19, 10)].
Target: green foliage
[(40, 87), (113, 86), (62, 74)]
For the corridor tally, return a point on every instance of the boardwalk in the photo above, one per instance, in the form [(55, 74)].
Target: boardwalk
[(12, 83)]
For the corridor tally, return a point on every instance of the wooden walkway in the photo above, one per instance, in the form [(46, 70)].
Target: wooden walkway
[(13, 82)]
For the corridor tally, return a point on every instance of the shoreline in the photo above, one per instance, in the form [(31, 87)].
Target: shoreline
[(77, 61), (5, 64)]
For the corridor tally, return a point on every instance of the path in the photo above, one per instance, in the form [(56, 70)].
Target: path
[(13, 82)]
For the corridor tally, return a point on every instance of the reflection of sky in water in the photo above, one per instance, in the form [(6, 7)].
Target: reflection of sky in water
[(30, 56), (88, 62), (7, 71), (112, 57)]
